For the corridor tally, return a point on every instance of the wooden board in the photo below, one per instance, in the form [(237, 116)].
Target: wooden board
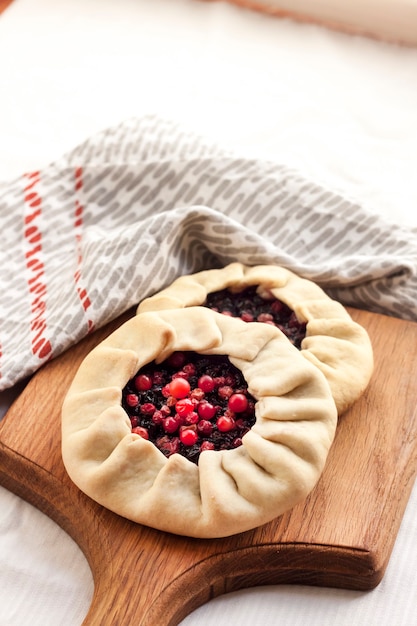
[(341, 536)]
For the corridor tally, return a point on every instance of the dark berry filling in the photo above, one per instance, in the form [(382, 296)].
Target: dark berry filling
[(251, 307), (190, 403)]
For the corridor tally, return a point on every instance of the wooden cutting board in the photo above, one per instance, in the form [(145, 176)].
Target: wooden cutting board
[(341, 536)]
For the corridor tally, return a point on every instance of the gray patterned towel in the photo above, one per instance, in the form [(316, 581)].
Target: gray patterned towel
[(132, 208)]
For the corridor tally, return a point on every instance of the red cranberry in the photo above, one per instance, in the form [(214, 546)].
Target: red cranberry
[(158, 378), (277, 306), (181, 374), (197, 394), (191, 418), (184, 406), (205, 428), (170, 424), (225, 391), (166, 391), (148, 408), (207, 445), (143, 382), (179, 387), (176, 360), (188, 436), (132, 399), (168, 445), (246, 316), (171, 401), (139, 430), (225, 423), (265, 317), (238, 403), (189, 369), (157, 417), (206, 383), (206, 410)]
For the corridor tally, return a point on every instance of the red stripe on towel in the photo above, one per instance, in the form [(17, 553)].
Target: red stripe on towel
[(32, 237), (78, 223)]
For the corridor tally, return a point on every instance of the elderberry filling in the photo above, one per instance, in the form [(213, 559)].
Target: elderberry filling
[(251, 307), (212, 410)]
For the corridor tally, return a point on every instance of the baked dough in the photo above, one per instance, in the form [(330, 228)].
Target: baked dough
[(229, 491), (336, 344)]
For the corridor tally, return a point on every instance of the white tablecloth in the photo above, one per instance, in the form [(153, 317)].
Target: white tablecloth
[(341, 109)]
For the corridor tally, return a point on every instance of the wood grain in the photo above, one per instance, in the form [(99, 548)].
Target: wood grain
[(341, 536)]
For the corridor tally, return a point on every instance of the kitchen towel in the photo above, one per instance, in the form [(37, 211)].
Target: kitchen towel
[(135, 206)]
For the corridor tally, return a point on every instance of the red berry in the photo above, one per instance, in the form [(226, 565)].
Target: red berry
[(180, 374), (165, 391), (184, 407), (170, 424), (189, 369), (197, 394), (143, 382), (168, 445), (171, 401), (176, 360), (238, 403), (206, 410), (157, 417), (132, 399), (179, 388), (191, 418), (277, 306), (205, 428), (188, 436), (158, 378), (165, 410), (139, 430), (265, 317), (246, 316), (134, 421), (224, 423), (147, 408), (225, 391), (206, 383), (206, 445)]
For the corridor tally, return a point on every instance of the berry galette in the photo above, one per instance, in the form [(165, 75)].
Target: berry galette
[(198, 423), (321, 327)]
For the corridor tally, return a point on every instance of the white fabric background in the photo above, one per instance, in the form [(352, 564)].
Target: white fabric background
[(341, 109)]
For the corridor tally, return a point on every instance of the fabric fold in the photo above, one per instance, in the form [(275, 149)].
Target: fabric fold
[(130, 209)]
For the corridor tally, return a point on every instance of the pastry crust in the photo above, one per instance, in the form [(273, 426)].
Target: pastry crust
[(336, 344), (229, 491)]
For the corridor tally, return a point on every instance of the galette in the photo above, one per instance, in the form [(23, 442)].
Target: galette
[(198, 423), (319, 326)]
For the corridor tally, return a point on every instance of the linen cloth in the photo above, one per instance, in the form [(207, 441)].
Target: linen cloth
[(135, 206)]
